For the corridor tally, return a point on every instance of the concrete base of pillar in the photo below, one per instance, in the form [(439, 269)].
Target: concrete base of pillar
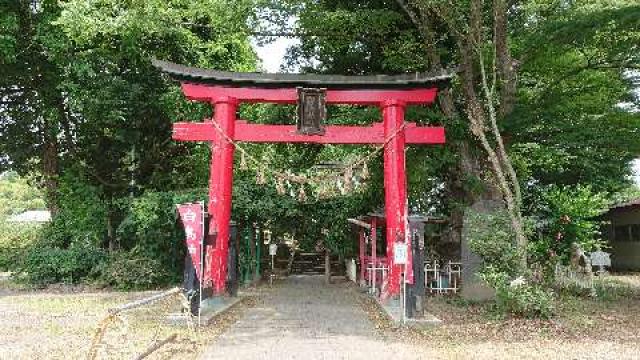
[(392, 308), (210, 309)]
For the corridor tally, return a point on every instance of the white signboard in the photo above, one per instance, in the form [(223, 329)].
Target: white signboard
[(600, 258), (273, 249), (400, 255)]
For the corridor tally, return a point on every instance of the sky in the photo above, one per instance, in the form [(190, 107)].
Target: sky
[(272, 54)]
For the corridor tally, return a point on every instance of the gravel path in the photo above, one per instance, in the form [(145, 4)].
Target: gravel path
[(304, 318)]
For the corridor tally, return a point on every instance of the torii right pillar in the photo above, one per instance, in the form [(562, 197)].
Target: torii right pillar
[(395, 191)]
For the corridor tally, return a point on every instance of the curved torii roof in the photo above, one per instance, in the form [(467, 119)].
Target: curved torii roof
[(271, 80)]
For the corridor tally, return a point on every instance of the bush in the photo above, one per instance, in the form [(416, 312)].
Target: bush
[(70, 249), (569, 215), (82, 215), (47, 265), (128, 270), (14, 241), (19, 194), (492, 238), (151, 230), (525, 300), (518, 297)]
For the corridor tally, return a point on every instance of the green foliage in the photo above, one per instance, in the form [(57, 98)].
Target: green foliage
[(569, 215), (128, 109), (516, 296), (8, 25), (150, 228), (77, 76), (572, 59), (15, 239), (149, 238), (82, 214), (568, 125), (492, 238), (17, 195), (44, 264), (83, 83), (530, 301), (353, 32), (31, 104), (129, 270)]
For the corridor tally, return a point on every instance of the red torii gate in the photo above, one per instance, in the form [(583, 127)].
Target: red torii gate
[(225, 90)]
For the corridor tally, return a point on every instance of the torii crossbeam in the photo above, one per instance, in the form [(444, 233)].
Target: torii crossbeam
[(226, 90)]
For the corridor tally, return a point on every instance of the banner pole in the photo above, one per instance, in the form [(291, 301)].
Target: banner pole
[(404, 295), (201, 277)]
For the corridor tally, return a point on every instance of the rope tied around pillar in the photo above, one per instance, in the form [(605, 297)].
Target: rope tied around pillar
[(263, 167)]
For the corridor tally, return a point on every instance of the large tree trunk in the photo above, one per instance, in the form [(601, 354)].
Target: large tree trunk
[(65, 123), (111, 233), (503, 175), (469, 164), (50, 169), (479, 104)]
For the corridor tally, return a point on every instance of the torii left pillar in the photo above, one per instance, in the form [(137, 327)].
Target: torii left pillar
[(221, 187)]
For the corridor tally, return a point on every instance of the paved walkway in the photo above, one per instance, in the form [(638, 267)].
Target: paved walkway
[(304, 318)]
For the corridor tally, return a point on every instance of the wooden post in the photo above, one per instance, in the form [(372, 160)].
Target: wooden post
[(327, 266), (374, 251), (259, 244), (363, 254)]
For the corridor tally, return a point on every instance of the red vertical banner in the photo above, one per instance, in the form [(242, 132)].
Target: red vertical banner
[(192, 217)]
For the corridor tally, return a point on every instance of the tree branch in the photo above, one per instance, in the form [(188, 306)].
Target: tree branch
[(504, 62), (412, 14)]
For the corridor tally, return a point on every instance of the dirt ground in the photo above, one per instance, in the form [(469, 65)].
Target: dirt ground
[(604, 327), (59, 323)]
